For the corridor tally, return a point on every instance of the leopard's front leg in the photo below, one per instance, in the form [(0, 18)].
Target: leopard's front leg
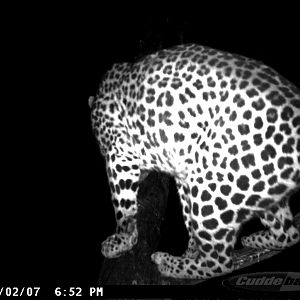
[(123, 174)]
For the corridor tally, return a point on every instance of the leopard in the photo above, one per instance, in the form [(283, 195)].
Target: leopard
[(227, 129)]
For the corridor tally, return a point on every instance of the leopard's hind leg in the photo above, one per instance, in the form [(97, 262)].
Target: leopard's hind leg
[(192, 251), (211, 243), (281, 231)]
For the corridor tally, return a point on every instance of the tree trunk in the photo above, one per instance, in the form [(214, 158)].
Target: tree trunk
[(135, 267)]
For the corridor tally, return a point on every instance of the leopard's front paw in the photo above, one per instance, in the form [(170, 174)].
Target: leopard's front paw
[(118, 243)]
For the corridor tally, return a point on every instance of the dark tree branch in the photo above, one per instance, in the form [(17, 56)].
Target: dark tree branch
[(136, 267)]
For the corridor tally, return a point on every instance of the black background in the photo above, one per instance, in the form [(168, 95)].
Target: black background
[(56, 207)]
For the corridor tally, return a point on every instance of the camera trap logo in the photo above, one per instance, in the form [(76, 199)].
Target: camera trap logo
[(265, 282)]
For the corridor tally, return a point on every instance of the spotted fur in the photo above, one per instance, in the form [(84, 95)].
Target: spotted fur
[(225, 126)]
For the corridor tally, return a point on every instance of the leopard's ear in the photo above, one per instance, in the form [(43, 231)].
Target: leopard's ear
[(91, 100)]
